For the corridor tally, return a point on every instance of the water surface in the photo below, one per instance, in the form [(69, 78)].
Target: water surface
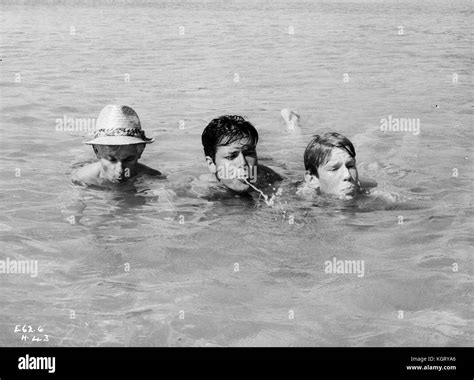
[(183, 286)]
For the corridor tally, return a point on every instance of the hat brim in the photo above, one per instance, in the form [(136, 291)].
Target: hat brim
[(118, 140)]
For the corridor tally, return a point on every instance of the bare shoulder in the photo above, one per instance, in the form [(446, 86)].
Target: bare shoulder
[(143, 169), (207, 178), (386, 195), (306, 191), (88, 174), (268, 175), (201, 185), (367, 183)]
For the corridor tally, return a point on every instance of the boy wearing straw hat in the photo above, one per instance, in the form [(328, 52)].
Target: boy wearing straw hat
[(118, 143)]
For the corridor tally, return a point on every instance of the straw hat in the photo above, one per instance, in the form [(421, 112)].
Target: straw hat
[(118, 125)]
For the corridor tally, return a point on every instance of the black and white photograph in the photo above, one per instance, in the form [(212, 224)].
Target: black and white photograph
[(240, 174)]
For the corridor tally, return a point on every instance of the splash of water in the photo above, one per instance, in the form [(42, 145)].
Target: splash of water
[(269, 201)]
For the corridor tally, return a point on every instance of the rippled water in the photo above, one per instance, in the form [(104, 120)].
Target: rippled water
[(238, 272)]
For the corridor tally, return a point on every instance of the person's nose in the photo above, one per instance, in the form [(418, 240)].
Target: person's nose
[(119, 167), (242, 161), (346, 174)]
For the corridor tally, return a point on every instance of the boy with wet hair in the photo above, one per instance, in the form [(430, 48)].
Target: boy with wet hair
[(330, 164), (230, 143), (118, 143)]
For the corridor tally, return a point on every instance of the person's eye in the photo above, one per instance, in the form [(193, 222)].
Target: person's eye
[(250, 153), (232, 156)]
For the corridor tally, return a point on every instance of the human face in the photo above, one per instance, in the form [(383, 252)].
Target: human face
[(233, 162), (338, 176), (118, 162)]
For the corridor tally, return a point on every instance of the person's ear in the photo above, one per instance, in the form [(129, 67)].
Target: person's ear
[(311, 180), (211, 165)]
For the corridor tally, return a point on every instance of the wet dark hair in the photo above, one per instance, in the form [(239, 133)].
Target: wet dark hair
[(320, 147), (225, 130)]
